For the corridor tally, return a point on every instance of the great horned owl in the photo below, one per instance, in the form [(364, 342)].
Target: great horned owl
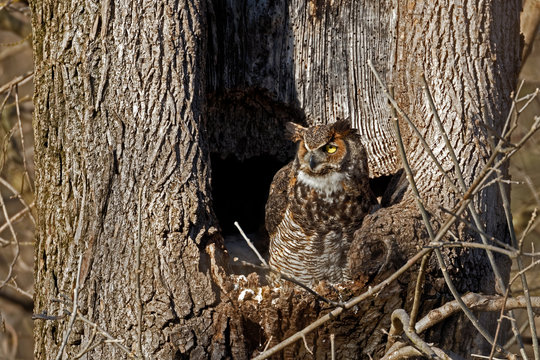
[(317, 201)]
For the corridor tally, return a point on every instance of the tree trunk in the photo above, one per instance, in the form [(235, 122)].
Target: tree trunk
[(120, 101), (132, 100)]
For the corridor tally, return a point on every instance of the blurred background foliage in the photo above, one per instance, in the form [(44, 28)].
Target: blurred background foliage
[(17, 217), (16, 182)]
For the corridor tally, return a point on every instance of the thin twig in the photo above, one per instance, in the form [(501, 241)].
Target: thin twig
[(499, 323), (89, 345), (527, 228), (519, 261), (9, 133), (480, 356), (418, 289), (465, 244), (498, 179), (507, 128), (474, 228), (511, 341), (306, 345), (494, 133), (529, 97), (524, 270), (16, 287), (17, 216), (332, 346), (411, 352), (486, 172), (21, 133), (17, 247), (73, 312), (19, 80), (268, 343), (110, 338), (19, 196), (250, 244)]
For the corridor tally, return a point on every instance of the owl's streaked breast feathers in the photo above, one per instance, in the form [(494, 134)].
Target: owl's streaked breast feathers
[(317, 201)]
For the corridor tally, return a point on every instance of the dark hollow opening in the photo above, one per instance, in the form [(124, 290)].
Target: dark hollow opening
[(240, 190), (380, 184)]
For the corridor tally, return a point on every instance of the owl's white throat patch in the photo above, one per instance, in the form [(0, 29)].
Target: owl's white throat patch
[(325, 184)]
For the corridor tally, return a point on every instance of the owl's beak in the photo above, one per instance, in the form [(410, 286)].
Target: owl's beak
[(312, 162)]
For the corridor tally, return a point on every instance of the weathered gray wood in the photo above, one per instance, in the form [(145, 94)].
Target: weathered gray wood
[(307, 58), (332, 43)]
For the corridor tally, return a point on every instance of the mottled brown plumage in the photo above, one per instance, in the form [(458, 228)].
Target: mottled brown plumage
[(316, 203)]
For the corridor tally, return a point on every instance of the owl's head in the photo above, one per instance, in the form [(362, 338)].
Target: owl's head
[(325, 149)]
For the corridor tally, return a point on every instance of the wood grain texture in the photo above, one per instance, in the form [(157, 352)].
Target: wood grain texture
[(309, 57), (333, 42)]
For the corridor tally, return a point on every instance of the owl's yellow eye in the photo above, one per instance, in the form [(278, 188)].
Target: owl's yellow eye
[(330, 148)]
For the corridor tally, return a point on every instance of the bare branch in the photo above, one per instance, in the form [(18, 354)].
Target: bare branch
[(17, 288), (528, 228), (419, 287), (21, 133), (89, 345), (333, 346), (465, 244), (524, 270), (306, 345), (19, 80), (372, 291), (110, 339), (17, 216), (400, 324), (474, 302), (261, 259), (19, 197), (17, 247)]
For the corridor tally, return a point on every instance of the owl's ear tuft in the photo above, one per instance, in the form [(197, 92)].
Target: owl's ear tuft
[(294, 131), (342, 128)]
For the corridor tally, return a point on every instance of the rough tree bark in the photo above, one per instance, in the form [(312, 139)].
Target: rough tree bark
[(120, 98), (133, 97)]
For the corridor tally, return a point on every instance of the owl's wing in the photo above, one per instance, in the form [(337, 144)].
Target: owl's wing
[(277, 199)]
